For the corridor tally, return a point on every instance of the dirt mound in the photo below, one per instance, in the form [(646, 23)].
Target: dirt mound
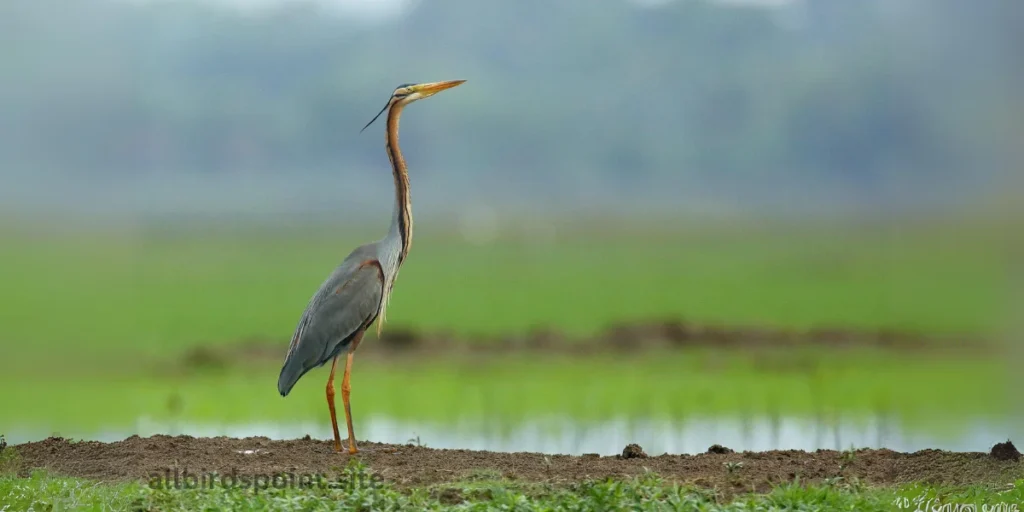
[(172, 459), (1005, 451), (633, 451), (719, 449)]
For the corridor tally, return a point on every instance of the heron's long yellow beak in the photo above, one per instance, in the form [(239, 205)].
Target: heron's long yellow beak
[(433, 88)]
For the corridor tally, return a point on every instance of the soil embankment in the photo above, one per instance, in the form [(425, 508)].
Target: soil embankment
[(407, 465)]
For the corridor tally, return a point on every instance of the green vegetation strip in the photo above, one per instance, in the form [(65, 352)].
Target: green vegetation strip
[(357, 490), (144, 290)]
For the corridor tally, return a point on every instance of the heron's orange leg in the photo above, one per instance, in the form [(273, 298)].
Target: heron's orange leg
[(330, 403), (346, 390)]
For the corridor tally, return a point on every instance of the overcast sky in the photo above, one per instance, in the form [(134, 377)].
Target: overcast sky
[(387, 8), (366, 8)]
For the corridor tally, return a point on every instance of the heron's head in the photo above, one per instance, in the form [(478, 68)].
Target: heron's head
[(408, 93)]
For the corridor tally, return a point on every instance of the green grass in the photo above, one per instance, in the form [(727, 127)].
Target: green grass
[(148, 290), (504, 392), (355, 489)]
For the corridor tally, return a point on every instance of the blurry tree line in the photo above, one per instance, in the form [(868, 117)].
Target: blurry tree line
[(865, 97)]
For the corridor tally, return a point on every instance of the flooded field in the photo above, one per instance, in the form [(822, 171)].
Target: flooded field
[(678, 389), (817, 360)]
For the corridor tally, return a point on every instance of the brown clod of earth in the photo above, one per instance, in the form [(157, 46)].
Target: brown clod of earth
[(399, 339), (543, 338), (719, 449), (142, 458), (633, 451), (1005, 451), (204, 357)]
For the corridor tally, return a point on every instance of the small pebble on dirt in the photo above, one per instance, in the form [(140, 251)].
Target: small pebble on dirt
[(717, 448), (1005, 451), (633, 451)]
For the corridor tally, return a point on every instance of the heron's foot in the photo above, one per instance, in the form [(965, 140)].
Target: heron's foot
[(337, 446), (352, 450)]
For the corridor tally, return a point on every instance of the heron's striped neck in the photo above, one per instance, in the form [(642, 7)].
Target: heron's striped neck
[(403, 201), (401, 222)]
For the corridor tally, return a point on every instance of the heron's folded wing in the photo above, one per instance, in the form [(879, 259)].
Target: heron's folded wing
[(347, 301)]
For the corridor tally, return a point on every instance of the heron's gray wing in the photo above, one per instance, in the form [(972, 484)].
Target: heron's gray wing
[(347, 302)]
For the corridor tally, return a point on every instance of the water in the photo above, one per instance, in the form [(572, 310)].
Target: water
[(567, 436)]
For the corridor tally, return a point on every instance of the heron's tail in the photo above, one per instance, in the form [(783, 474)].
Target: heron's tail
[(291, 372), (304, 355), (287, 379)]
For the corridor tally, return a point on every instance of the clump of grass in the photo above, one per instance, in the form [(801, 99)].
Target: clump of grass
[(848, 457), (45, 492), (415, 441), (732, 467), (10, 462)]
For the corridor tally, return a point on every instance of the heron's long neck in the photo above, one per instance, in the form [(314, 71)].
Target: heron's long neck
[(401, 222)]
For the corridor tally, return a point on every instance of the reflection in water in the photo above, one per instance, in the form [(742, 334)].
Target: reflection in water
[(556, 436)]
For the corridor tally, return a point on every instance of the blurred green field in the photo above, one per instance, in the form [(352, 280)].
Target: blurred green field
[(94, 321), (157, 290)]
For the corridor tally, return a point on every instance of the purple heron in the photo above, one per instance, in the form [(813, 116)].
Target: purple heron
[(357, 292)]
